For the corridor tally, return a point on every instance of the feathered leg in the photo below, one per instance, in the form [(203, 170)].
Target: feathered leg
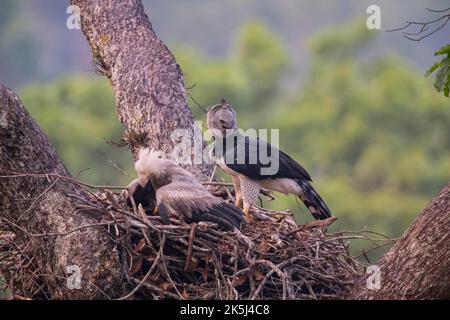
[(250, 191)]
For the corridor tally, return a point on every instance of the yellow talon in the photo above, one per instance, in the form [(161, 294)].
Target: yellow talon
[(247, 215), (238, 202)]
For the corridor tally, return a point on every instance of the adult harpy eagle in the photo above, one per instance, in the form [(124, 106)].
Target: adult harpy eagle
[(179, 192), (248, 161)]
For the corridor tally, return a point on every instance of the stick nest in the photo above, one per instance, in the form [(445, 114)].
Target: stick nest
[(272, 258)]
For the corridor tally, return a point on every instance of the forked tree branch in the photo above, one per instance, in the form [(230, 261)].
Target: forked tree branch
[(426, 28)]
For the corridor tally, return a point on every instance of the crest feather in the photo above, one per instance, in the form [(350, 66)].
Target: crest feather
[(145, 158), (147, 153)]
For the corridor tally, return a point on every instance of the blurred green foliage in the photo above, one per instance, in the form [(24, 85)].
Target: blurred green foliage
[(372, 132), (17, 42), (251, 77), (78, 115)]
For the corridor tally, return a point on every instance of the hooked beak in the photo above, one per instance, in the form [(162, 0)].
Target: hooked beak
[(217, 132), (224, 125)]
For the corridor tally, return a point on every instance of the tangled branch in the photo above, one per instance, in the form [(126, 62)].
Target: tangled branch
[(427, 28)]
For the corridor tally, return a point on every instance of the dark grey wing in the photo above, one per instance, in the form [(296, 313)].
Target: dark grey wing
[(226, 215), (253, 155), (289, 168), (196, 204)]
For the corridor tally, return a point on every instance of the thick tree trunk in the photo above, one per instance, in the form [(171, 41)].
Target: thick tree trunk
[(33, 205), (147, 81), (418, 265)]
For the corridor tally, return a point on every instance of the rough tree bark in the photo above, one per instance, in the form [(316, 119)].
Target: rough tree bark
[(418, 265), (147, 81), (36, 205)]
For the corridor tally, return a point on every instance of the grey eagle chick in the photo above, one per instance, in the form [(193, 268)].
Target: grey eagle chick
[(248, 159), (179, 192)]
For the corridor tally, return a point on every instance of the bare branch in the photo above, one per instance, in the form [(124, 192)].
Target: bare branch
[(425, 27)]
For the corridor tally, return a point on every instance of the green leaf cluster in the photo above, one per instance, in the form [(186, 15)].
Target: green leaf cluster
[(442, 70)]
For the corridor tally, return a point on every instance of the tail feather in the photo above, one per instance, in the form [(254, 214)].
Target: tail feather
[(313, 201)]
